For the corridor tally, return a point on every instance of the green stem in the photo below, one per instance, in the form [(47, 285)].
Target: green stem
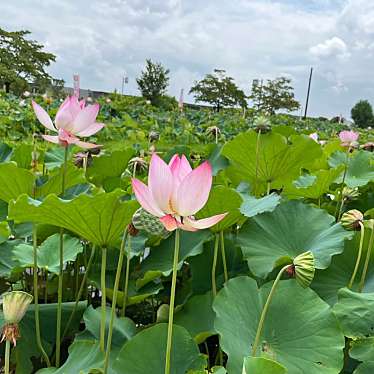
[(367, 259), (353, 277), (103, 300), (46, 288), (257, 159), (264, 311), (172, 302), (224, 257), (268, 188), (339, 211), (36, 299), (214, 265), (7, 356), (127, 274), (114, 301), (61, 271), (80, 292)]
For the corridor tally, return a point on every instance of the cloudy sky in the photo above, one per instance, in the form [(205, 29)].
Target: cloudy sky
[(103, 39)]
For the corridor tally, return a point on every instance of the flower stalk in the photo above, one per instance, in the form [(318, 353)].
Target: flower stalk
[(172, 301), (367, 259), (127, 274), (359, 255), (223, 252), (214, 265), (103, 299)]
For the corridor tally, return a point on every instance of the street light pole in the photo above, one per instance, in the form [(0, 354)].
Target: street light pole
[(308, 93)]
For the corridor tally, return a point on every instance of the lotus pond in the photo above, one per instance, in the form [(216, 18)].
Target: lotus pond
[(185, 243)]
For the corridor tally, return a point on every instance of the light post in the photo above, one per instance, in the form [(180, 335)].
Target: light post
[(125, 80)]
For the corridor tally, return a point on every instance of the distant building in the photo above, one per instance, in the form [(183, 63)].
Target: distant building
[(85, 93)]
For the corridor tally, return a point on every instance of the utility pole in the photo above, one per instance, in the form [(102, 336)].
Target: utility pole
[(125, 80), (308, 93)]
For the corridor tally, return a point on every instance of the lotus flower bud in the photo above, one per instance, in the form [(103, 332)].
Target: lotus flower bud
[(304, 268), (351, 220), (142, 220), (153, 136), (262, 125), (163, 313), (15, 305)]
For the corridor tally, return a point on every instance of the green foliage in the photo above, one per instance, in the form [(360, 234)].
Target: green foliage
[(218, 90), (153, 81), (362, 114)]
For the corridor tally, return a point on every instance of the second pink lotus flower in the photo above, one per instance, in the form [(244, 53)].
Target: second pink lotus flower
[(175, 193), (73, 120)]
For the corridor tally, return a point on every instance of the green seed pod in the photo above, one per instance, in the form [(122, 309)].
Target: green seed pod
[(163, 313), (351, 220), (304, 266), (262, 124), (350, 193), (142, 220), (15, 305)]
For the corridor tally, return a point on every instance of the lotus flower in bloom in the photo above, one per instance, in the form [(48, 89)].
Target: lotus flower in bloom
[(73, 119), (348, 138), (175, 193), (314, 136)]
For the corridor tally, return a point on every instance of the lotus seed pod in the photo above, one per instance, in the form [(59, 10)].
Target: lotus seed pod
[(213, 130), (142, 220), (163, 313), (138, 164), (304, 266), (350, 193), (262, 125), (351, 220), (15, 305), (153, 136)]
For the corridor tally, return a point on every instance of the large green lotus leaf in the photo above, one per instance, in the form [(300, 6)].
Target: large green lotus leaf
[(365, 368), (48, 253), (300, 331), (109, 165), (355, 313), (322, 180), (85, 357), (161, 257), (145, 352), (253, 206), (262, 365), (8, 264), (27, 348), (216, 159), (327, 282), (54, 157), (123, 328), (22, 155), (272, 239), (278, 162), (222, 200), (362, 349), (53, 185), (15, 181), (360, 168), (197, 317), (100, 219), (5, 152)]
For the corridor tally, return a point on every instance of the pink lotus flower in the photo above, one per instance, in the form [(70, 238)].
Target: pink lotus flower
[(73, 119), (348, 138), (175, 193), (314, 136)]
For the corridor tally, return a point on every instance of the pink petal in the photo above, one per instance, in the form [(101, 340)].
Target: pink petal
[(348, 136), (82, 103), (93, 129), (169, 222), (179, 167), (203, 223), (145, 198), (43, 116), (160, 181), (194, 190), (86, 145), (85, 118), (51, 138), (64, 116)]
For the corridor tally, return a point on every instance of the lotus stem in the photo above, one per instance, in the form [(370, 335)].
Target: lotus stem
[(103, 300), (214, 265), (114, 301), (61, 270), (172, 301), (36, 298), (224, 257), (7, 356), (268, 188), (358, 260), (338, 212), (127, 274), (367, 259), (265, 309), (80, 292)]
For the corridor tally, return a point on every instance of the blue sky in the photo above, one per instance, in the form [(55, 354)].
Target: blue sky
[(103, 39)]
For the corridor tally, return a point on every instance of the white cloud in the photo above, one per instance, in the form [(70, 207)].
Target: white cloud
[(330, 47)]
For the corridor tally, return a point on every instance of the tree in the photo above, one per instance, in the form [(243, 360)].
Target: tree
[(274, 95), (219, 90), (362, 114), (22, 61), (153, 81)]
